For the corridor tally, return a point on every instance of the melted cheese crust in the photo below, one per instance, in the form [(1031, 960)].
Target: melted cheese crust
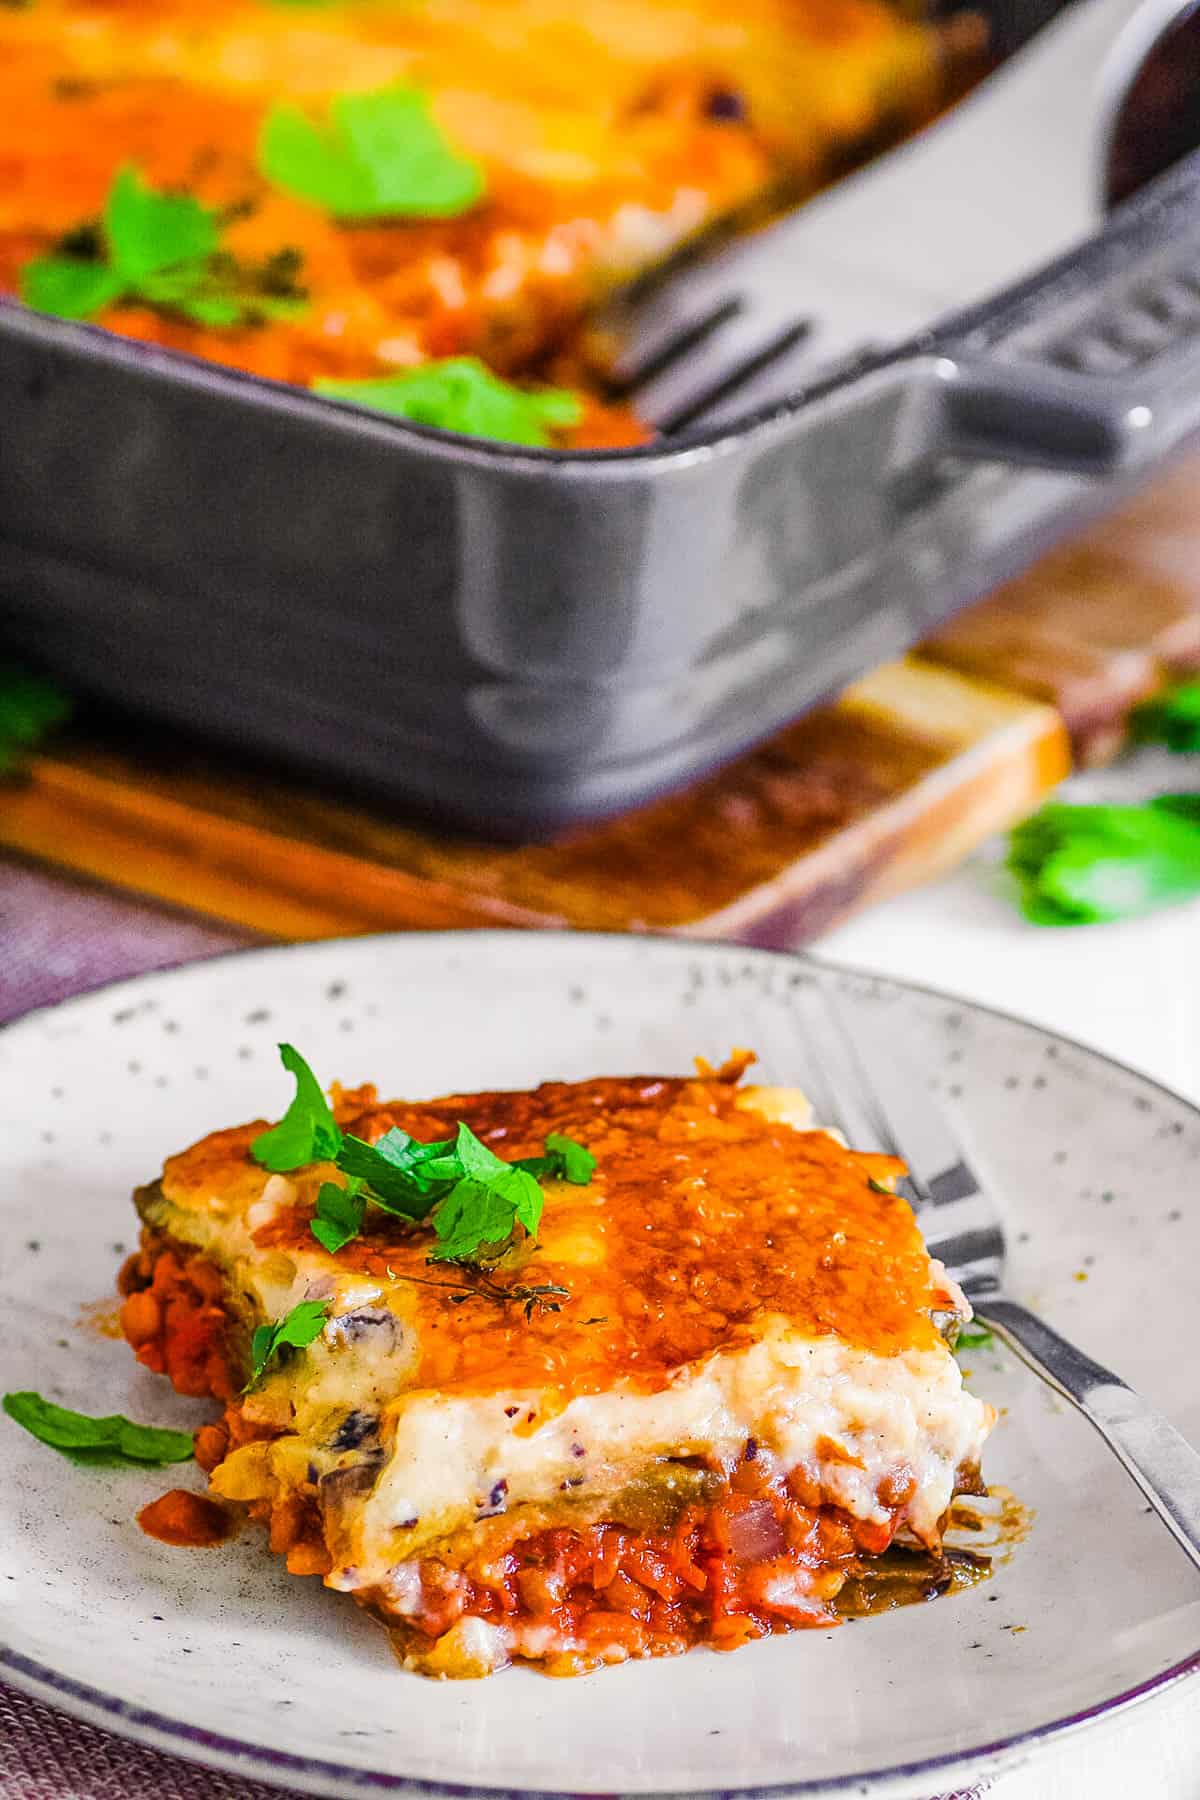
[(740, 1284)]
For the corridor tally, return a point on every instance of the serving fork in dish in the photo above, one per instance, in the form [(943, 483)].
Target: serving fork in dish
[(1010, 177), (870, 1091)]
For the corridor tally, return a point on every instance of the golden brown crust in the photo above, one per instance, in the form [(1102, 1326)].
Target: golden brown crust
[(702, 1216)]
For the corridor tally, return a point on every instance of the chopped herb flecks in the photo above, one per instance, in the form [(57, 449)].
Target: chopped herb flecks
[(297, 1330), (974, 1337), (163, 251), (379, 155), (461, 394)]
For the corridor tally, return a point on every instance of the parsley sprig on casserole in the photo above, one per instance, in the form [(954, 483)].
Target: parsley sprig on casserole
[(682, 1397)]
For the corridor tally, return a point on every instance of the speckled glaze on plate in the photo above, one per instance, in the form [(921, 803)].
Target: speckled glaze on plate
[(221, 1656)]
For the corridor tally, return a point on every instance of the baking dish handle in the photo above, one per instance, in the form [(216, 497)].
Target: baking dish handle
[(1040, 416)]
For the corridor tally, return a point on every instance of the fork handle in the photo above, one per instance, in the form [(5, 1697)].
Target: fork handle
[(1160, 1459)]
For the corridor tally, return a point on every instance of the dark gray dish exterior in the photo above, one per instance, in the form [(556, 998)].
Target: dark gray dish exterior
[(518, 641)]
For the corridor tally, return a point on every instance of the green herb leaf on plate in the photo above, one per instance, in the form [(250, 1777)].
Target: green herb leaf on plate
[(301, 1327), (378, 155), (461, 394), (974, 1337), (112, 1441), (162, 251), (1082, 865), (1172, 719), (307, 1132)]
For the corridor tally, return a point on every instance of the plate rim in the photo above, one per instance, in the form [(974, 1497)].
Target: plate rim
[(317, 1775)]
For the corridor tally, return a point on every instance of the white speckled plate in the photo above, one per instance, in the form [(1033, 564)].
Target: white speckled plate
[(221, 1656)]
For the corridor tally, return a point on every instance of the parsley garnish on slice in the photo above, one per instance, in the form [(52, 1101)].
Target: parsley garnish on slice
[(404, 1175), (379, 155), (461, 394), (476, 1218), (308, 1131), (162, 251), (297, 1330), (565, 1160), (110, 1442), (339, 1214), (1083, 865), (472, 1197), (1172, 719)]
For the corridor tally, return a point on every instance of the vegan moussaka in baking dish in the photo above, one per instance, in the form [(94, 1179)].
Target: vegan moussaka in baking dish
[(422, 196), (597, 1370)]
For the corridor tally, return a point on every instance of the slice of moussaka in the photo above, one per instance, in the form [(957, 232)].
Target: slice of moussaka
[(597, 1370)]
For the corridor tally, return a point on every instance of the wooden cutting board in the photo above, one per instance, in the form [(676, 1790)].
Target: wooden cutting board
[(896, 782)]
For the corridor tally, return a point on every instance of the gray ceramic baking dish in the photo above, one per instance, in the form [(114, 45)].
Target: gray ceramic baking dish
[(521, 640)]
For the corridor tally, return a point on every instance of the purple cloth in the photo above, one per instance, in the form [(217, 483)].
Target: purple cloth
[(60, 936)]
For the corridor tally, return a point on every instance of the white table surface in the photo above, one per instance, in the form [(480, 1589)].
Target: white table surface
[(1132, 991)]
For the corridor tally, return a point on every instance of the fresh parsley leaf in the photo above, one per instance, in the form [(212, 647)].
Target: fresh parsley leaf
[(29, 707), (477, 1216), (565, 1160), (974, 1337), (307, 1132), (301, 1327), (404, 1176), (162, 251), (461, 394), (1172, 719), (69, 289), (147, 232), (472, 1217), (378, 156), (339, 1214), (113, 1441), (476, 1199), (1082, 865), (475, 1160), (578, 1165)]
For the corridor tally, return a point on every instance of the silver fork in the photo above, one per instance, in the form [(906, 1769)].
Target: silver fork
[(874, 1096), (1011, 177)]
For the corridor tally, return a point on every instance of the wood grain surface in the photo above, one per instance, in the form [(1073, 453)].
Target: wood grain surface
[(897, 781)]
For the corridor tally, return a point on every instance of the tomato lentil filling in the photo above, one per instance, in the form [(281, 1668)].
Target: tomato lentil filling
[(754, 1561), (175, 1319)]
